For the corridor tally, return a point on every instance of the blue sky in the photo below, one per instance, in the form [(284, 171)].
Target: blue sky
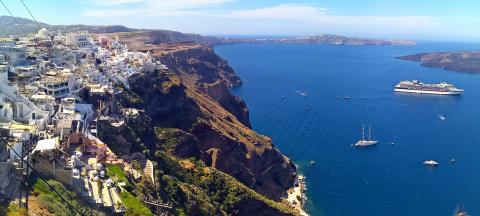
[(416, 19)]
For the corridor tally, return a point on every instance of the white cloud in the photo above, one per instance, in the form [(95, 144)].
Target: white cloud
[(322, 16), (152, 7), (285, 11), (475, 19), (162, 4), (279, 19), (116, 2)]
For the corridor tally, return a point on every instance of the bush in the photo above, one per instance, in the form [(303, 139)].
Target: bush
[(48, 199), (13, 210), (134, 205), (115, 171)]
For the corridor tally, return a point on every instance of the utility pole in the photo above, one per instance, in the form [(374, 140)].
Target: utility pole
[(27, 186)]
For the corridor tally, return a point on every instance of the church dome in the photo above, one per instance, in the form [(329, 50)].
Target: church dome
[(43, 33)]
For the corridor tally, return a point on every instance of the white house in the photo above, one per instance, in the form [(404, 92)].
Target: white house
[(15, 55), (58, 84), (17, 107), (80, 39)]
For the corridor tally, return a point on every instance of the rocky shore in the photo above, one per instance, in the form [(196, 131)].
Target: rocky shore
[(296, 195)]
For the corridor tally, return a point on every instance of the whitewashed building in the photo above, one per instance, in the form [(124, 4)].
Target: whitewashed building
[(17, 107), (14, 55)]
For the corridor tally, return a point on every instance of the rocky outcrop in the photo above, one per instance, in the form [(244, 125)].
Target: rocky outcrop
[(202, 63), (202, 69), (466, 61), (235, 105), (242, 153)]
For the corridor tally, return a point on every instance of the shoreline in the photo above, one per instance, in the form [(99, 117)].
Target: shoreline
[(296, 196)]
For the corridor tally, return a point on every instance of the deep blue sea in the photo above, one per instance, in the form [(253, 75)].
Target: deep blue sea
[(381, 180)]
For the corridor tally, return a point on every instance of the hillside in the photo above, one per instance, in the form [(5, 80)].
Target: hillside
[(205, 155)]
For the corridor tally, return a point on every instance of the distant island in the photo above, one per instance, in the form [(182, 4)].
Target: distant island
[(324, 39), (462, 61), (155, 36)]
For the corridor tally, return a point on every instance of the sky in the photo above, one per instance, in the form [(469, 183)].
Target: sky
[(409, 19)]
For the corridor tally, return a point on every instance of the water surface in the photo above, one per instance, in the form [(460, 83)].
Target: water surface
[(382, 180)]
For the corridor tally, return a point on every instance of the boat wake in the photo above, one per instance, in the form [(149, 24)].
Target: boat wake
[(441, 117), (364, 98), (301, 93)]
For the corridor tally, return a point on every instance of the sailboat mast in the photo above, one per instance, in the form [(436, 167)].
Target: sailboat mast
[(369, 132), (363, 132)]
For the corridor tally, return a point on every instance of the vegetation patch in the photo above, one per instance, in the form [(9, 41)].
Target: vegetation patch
[(116, 172), (134, 205), (49, 200)]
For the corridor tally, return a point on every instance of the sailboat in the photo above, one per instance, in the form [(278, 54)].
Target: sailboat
[(460, 211), (367, 142)]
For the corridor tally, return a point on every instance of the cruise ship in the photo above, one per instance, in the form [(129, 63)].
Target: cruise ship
[(418, 87)]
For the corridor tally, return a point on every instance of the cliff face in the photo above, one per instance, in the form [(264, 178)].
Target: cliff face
[(189, 112), (224, 142), (200, 68), (180, 122), (202, 63)]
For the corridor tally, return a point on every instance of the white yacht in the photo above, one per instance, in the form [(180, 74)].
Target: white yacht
[(367, 142), (430, 163)]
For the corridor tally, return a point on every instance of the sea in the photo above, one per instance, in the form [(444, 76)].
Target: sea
[(296, 95)]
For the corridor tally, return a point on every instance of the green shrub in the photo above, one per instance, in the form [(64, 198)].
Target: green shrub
[(134, 205), (116, 171)]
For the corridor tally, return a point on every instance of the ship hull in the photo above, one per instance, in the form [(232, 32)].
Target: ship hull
[(365, 143), (414, 91)]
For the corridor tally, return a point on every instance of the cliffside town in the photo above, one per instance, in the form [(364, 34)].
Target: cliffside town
[(104, 124)]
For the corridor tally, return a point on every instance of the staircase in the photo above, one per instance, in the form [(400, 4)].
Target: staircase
[(149, 170)]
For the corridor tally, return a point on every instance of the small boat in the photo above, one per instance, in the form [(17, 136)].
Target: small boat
[(460, 211), (307, 108), (347, 97), (283, 97), (304, 94), (441, 117), (367, 142), (312, 163), (453, 160), (430, 163)]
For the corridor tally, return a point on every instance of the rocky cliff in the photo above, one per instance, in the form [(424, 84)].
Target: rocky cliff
[(200, 68), (189, 112), (183, 122), (225, 143)]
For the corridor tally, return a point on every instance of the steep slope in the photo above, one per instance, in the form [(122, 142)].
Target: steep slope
[(180, 123), (242, 153), (202, 69)]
